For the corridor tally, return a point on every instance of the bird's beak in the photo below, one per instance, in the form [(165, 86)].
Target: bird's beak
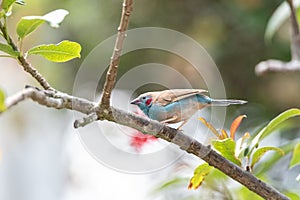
[(135, 102)]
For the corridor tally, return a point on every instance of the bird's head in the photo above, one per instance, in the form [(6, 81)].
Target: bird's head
[(144, 102)]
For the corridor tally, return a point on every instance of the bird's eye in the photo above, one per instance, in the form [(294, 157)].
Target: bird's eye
[(143, 98)]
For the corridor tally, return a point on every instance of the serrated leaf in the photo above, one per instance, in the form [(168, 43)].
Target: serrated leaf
[(8, 49), (7, 4), (227, 149), (2, 101), (272, 125), (296, 156), (30, 23), (199, 175), (235, 124), (61, 52), (257, 155)]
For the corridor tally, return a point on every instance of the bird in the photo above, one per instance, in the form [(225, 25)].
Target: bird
[(177, 105)]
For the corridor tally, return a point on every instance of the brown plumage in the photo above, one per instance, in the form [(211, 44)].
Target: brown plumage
[(173, 106)]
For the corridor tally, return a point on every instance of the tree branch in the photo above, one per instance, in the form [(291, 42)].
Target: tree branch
[(280, 66), (115, 59), (34, 73), (23, 62), (55, 99), (60, 100), (51, 99), (271, 65)]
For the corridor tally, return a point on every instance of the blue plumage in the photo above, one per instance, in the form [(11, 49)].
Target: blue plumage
[(172, 106)]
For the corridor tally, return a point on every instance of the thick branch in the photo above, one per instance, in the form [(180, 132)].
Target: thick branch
[(26, 65), (51, 99), (115, 59), (60, 100)]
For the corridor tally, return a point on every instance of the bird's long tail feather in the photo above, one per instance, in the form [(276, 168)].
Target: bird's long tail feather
[(226, 102)]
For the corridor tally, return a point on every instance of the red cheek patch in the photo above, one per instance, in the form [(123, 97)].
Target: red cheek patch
[(148, 101)]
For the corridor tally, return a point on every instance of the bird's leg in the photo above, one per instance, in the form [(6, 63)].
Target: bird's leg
[(183, 123)]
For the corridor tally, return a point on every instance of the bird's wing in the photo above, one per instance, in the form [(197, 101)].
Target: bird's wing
[(168, 96)]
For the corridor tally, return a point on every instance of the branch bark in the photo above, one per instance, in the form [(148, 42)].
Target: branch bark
[(279, 66), (60, 100), (55, 99), (115, 59), (23, 62)]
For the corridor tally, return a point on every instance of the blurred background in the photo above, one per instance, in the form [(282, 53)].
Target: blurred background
[(41, 154)]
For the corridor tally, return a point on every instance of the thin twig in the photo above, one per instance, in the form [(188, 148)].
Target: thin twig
[(295, 37), (115, 59), (278, 65), (23, 62), (60, 100), (34, 73)]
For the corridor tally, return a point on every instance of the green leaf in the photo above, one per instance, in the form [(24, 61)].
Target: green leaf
[(292, 195), (172, 182), (272, 125), (279, 16), (227, 149), (241, 145), (199, 175), (296, 156), (29, 24), (2, 101), (2, 13), (257, 155), (7, 4), (61, 52), (9, 50), (261, 170)]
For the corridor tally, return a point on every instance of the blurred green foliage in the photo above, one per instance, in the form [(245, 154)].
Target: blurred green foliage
[(231, 31)]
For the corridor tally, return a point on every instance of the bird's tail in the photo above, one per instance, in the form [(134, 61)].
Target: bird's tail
[(226, 102)]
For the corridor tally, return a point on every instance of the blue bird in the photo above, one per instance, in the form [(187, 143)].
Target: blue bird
[(177, 105)]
